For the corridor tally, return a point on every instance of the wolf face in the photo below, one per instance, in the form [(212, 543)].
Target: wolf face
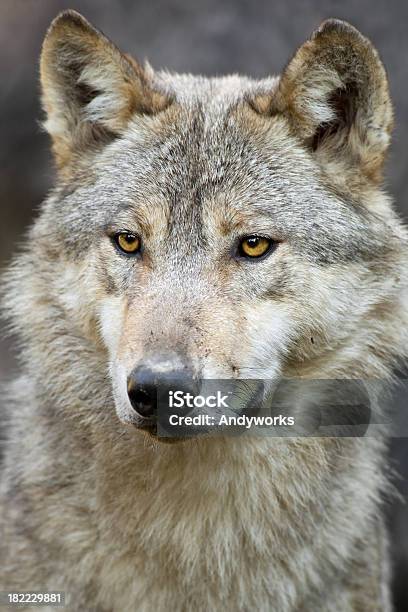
[(203, 229), (217, 228)]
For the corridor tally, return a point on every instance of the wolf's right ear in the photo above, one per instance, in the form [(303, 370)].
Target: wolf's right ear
[(90, 90)]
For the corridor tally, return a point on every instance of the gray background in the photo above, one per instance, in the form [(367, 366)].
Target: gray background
[(206, 36)]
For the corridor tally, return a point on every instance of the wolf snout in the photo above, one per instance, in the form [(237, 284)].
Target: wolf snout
[(151, 381)]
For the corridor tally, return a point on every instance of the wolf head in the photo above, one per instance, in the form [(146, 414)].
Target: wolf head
[(210, 228)]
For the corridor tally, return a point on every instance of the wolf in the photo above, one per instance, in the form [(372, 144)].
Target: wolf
[(202, 229)]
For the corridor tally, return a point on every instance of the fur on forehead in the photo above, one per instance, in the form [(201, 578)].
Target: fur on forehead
[(333, 97)]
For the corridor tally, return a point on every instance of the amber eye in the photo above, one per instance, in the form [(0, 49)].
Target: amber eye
[(254, 246), (127, 242)]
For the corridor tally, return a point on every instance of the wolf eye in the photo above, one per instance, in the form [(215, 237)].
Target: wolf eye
[(127, 242), (254, 246)]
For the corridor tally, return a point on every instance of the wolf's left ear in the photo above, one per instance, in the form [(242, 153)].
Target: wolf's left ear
[(90, 89), (335, 94)]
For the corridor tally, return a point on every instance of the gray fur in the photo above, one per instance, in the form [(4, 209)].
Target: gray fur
[(89, 504)]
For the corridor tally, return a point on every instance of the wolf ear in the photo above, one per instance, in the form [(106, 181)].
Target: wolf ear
[(90, 90), (335, 95)]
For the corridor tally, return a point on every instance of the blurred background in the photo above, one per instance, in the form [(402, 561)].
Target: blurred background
[(203, 36)]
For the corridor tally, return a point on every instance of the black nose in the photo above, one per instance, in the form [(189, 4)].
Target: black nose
[(147, 384)]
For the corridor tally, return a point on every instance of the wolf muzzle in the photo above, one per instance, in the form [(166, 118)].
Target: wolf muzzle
[(163, 372)]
